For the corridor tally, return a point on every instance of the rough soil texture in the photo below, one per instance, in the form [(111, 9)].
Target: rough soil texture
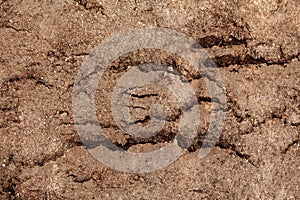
[(254, 43)]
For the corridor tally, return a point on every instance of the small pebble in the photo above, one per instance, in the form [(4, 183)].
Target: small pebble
[(64, 114)]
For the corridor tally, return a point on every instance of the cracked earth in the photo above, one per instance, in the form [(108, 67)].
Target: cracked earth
[(254, 44)]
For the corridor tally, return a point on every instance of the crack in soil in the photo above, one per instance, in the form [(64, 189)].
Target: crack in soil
[(212, 41), (14, 28), (228, 60), (10, 189), (53, 158), (92, 6), (232, 39), (232, 148), (290, 146)]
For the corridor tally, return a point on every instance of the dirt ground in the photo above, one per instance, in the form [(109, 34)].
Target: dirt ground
[(256, 47)]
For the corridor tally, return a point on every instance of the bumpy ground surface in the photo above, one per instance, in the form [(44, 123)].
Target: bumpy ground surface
[(254, 43)]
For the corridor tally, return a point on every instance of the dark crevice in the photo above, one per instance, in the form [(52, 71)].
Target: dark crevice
[(161, 137), (30, 76), (132, 142), (8, 109), (228, 60), (108, 125), (204, 99), (66, 123), (10, 189), (14, 28), (295, 124), (197, 190), (44, 84), (17, 78), (87, 5), (143, 121), (211, 100), (197, 143), (78, 179), (92, 5), (242, 155), (80, 54), (140, 96), (290, 145), (232, 147), (211, 41), (91, 143)]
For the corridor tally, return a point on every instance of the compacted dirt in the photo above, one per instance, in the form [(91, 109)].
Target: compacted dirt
[(256, 47)]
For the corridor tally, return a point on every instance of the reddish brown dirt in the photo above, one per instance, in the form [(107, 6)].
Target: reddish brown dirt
[(255, 44)]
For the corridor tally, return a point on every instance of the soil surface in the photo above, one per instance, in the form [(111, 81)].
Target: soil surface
[(256, 47)]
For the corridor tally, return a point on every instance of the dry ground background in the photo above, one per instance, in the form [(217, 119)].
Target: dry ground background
[(255, 44)]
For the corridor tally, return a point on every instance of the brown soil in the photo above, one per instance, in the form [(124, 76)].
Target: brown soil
[(255, 44)]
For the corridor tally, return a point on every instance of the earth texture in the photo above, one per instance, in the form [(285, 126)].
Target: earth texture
[(255, 45)]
